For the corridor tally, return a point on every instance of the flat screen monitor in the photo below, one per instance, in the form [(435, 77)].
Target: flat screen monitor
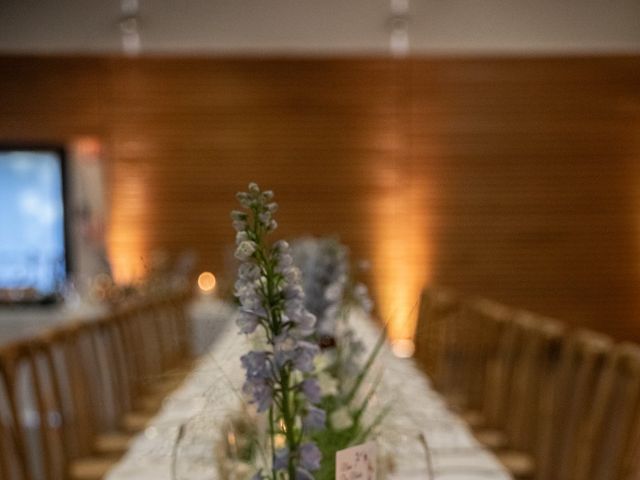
[(33, 241)]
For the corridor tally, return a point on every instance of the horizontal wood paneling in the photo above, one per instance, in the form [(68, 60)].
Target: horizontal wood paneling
[(516, 178)]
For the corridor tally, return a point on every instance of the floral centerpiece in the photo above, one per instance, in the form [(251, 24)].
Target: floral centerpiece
[(341, 366), (312, 404)]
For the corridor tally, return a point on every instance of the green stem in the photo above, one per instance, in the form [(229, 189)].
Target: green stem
[(288, 418), (367, 366), (273, 443)]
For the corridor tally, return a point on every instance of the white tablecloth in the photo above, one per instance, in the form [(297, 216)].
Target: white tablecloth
[(197, 409)]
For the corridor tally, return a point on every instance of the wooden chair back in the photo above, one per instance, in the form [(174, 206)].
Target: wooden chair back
[(33, 431), (611, 434), (61, 389), (15, 462), (149, 340), (82, 384), (120, 375), (500, 366), (53, 422), (177, 332), (143, 333), (436, 305), (485, 322), (535, 370), (584, 361)]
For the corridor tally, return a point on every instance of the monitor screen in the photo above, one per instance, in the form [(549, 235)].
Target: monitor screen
[(33, 256)]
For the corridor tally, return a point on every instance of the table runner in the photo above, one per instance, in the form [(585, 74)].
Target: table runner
[(421, 436)]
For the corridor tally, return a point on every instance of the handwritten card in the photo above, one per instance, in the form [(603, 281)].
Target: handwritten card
[(357, 463)]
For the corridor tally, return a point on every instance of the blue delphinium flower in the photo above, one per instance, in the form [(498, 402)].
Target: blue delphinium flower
[(311, 389), (260, 391), (324, 266), (281, 459), (330, 293), (280, 378), (302, 474), (314, 420), (257, 365), (310, 456)]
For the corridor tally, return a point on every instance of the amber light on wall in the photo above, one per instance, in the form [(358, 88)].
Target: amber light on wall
[(402, 247), (401, 266), (126, 240), (127, 253)]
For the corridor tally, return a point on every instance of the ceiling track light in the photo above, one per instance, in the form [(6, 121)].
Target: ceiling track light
[(399, 28), (129, 24)]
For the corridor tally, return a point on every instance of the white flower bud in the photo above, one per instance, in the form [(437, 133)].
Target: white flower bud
[(245, 250), (281, 246), (333, 293), (285, 260), (272, 207), (239, 225), (241, 237), (265, 217), (238, 215), (341, 418), (291, 274), (243, 198)]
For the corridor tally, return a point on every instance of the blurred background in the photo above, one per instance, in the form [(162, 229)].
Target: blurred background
[(492, 147)]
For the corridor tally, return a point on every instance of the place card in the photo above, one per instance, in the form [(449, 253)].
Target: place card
[(357, 462)]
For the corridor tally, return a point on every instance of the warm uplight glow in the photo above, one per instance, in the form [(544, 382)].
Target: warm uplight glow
[(206, 281), (402, 250), (127, 261), (403, 348), (126, 240)]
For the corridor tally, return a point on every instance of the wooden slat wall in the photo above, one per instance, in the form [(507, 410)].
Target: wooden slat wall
[(516, 178)]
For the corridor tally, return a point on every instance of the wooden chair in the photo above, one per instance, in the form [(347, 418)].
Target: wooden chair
[(483, 323), (501, 365), (171, 335), (153, 344), (173, 332), (77, 382), (610, 440), (513, 360), (500, 371), (15, 461), (132, 352), (72, 374), (568, 410), (533, 378), (436, 305), (39, 427), (106, 380), (128, 344)]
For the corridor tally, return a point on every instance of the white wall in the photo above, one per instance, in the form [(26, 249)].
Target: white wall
[(324, 26)]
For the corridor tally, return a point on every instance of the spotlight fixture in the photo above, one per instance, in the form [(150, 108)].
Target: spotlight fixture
[(129, 24), (399, 28)]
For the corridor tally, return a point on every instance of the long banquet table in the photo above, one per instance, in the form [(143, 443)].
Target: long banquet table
[(424, 439)]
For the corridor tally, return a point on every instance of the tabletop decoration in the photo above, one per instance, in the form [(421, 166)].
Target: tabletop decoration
[(343, 370), (280, 376), (235, 453), (323, 263)]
